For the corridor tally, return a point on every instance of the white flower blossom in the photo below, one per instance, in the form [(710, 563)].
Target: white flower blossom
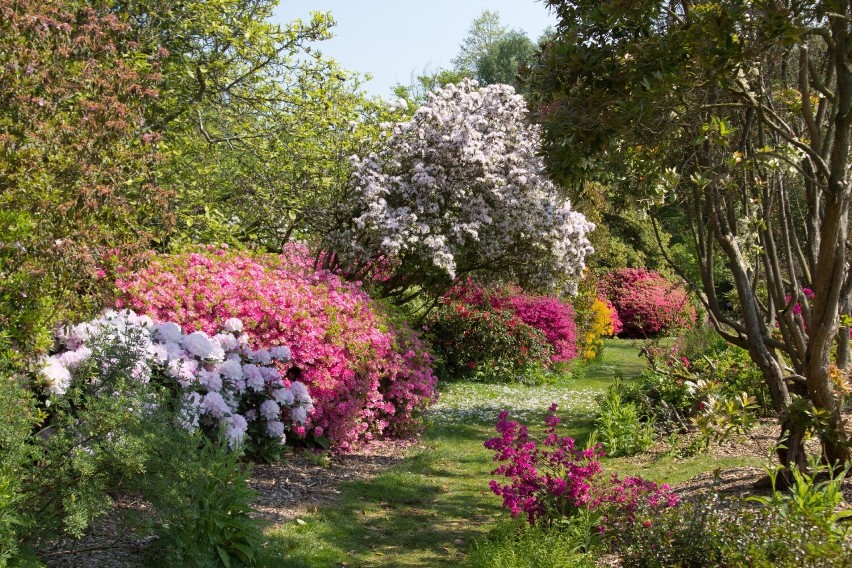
[(169, 332), (58, 375), (233, 325), (198, 344), (462, 184)]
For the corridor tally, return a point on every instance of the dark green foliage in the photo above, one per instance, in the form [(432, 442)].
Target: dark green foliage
[(19, 414), (661, 398)]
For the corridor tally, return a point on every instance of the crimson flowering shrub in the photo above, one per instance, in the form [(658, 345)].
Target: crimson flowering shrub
[(554, 318), (484, 343), (367, 378), (647, 303), (556, 479)]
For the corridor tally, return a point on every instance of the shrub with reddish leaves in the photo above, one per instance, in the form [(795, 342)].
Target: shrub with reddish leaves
[(556, 479), (367, 378), (647, 303)]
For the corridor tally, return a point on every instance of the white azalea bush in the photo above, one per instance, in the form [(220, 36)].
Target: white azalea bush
[(460, 188), (223, 385)]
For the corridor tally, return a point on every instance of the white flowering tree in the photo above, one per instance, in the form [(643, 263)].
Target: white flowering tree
[(459, 189)]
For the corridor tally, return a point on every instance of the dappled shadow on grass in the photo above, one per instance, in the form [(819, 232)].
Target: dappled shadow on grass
[(422, 512), (427, 509)]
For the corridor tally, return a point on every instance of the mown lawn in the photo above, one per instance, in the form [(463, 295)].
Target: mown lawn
[(427, 509)]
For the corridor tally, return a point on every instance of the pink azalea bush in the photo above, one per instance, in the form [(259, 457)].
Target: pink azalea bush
[(617, 324), (367, 378), (553, 317), (647, 303), (556, 479)]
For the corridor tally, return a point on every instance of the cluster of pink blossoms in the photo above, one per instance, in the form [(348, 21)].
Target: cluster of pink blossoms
[(647, 303), (550, 315), (557, 479), (367, 378)]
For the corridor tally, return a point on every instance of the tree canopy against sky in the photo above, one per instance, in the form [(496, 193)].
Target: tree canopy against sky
[(739, 114), (490, 53)]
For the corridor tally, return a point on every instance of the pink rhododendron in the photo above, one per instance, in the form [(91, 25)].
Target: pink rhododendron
[(647, 303), (367, 378)]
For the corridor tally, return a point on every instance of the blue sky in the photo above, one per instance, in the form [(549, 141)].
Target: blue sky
[(391, 39)]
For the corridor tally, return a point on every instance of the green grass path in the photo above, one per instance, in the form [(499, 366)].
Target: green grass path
[(427, 509)]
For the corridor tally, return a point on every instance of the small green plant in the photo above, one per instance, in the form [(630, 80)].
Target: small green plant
[(813, 496), (210, 524), (618, 426), (518, 545), (723, 419)]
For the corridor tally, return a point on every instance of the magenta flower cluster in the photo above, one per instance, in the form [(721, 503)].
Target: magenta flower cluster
[(367, 378), (646, 302), (553, 317), (556, 479)]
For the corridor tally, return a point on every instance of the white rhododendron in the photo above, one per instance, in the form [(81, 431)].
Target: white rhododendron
[(227, 385), (460, 187)]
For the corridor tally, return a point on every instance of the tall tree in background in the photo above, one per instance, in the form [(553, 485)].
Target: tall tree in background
[(490, 53), (257, 124), (739, 114), (484, 32)]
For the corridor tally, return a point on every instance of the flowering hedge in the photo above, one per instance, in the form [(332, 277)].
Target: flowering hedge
[(647, 303), (557, 479), (367, 378)]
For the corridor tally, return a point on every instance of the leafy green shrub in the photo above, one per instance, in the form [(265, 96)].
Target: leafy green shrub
[(75, 162), (618, 426), (813, 496), (661, 397), (738, 374), (205, 521), (706, 355), (707, 533), (800, 528)]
